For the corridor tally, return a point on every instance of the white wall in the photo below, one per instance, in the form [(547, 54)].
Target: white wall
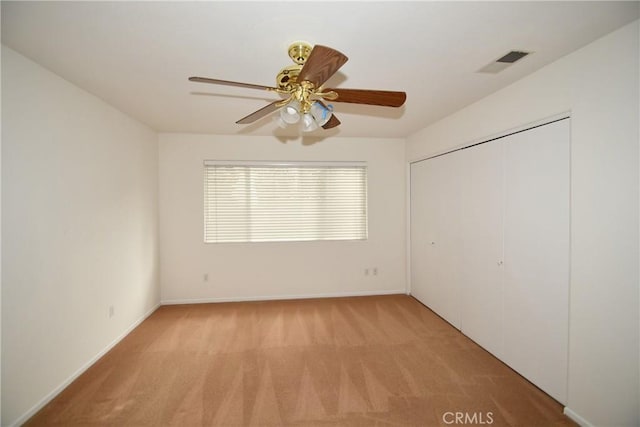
[(598, 84), (277, 270), (79, 200), (0, 241)]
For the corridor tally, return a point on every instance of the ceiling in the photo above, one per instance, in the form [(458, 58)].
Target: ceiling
[(137, 56)]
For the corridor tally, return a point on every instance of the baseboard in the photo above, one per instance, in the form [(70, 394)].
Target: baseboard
[(282, 297), (49, 397), (577, 418)]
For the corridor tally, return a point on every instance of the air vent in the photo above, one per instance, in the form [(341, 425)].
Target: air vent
[(503, 62), (513, 56)]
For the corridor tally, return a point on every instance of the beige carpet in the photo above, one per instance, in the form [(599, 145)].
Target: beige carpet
[(384, 360)]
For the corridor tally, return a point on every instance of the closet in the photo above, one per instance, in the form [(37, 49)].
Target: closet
[(490, 247)]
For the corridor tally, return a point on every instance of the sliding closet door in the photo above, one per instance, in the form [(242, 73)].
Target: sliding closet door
[(436, 237), (481, 264), (536, 247)]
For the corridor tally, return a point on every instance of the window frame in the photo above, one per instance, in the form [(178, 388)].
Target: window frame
[(292, 164)]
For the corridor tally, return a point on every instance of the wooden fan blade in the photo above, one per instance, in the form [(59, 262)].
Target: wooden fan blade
[(321, 64), (256, 115), (333, 122), (229, 83), (384, 98)]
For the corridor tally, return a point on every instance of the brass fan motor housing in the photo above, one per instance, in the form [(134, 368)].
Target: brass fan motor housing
[(288, 77)]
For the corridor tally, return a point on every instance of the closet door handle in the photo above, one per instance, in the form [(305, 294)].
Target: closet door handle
[(500, 263)]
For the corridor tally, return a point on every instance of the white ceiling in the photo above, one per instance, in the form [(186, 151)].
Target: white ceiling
[(137, 56)]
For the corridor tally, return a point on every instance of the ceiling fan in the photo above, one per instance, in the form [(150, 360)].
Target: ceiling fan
[(304, 95)]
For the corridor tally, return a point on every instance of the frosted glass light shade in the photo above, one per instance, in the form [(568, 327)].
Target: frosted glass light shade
[(290, 113), (308, 123), (321, 113)]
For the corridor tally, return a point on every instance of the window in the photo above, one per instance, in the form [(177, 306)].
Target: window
[(275, 202)]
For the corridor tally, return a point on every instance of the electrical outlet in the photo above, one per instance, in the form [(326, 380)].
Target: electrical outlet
[(111, 311), (366, 271), (205, 277), (375, 271)]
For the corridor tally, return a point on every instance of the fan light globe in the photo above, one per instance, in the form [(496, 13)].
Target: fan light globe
[(308, 123), (291, 113), (321, 113)]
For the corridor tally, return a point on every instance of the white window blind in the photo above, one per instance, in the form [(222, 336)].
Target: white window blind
[(274, 202)]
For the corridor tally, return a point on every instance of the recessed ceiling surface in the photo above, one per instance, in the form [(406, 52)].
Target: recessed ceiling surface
[(137, 56)]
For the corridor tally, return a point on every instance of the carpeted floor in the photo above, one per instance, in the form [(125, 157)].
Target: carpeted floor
[(383, 360)]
